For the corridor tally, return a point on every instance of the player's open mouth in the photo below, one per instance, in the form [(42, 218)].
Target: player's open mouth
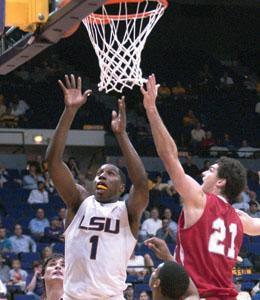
[(101, 186), (58, 273)]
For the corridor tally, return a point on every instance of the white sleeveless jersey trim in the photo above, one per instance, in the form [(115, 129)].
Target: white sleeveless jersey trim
[(98, 245)]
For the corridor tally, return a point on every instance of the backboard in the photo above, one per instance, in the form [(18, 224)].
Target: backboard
[(31, 44)]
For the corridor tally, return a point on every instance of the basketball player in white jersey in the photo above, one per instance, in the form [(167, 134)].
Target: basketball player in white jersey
[(101, 231)]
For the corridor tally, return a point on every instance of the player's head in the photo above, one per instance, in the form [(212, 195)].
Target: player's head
[(227, 175), (169, 281), (109, 183), (53, 270)]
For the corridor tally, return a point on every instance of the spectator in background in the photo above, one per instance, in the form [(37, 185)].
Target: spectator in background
[(150, 182), (207, 75), (226, 81), (5, 244), (165, 232), (62, 216), (253, 210), (246, 151), (227, 142), (18, 107), (144, 296), (17, 275), (150, 225), (247, 195), (74, 168), (256, 289), (242, 295), (38, 224), (240, 204), (87, 181), (207, 142), (190, 168), (161, 187), (2, 105), (167, 214), (4, 175), (171, 189), (129, 292), (53, 234), (34, 282), (40, 195), (30, 180), (189, 119), (164, 91), (140, 265), (21, 242), (46, 252), (197, 135), (257, 106), (178, 90), (49, 185), (4, 270)]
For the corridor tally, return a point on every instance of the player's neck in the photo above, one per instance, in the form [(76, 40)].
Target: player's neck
[(107, 201), (54, 292), (216, 191)]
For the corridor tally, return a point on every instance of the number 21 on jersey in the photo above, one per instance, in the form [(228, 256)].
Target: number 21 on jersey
[(217, 238)]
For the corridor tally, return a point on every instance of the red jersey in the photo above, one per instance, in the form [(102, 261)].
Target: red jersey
[(208, 249)]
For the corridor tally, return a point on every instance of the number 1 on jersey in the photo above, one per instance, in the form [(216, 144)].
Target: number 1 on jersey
[(94, 241)]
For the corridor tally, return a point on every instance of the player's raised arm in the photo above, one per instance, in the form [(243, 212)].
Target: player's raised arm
[(59, 172), (138, 196), (251, 225), (187, 187)]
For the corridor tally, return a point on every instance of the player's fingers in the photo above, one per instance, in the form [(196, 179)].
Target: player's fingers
[(148, 84), (114, 115), (87, 93), (121, 105), (62, 86), (143, 91), (73, 81), (68, 85), (153, 79), (79, 83)]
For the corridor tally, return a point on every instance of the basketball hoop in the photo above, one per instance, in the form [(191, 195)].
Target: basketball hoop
[(118, 33)]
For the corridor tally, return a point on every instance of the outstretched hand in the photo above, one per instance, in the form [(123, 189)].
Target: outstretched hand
[(73, 97), (150, 94), (160, 248), (118, 123)]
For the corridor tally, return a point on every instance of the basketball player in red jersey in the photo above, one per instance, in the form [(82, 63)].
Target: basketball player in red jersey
[(210, 231)]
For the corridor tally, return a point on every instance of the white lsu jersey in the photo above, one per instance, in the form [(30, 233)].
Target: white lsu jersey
[(98, 245)]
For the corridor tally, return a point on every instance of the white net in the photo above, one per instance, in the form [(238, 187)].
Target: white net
[(119, 38)]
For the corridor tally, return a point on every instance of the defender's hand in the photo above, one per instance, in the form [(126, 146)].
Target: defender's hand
[(118, 123), (73, 97), (160, 248), (150, 94)]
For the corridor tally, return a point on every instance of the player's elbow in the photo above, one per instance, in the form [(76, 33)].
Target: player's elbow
[(52, 159)]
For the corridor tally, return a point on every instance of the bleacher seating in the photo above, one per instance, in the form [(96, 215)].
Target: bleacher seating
[(23, 297)]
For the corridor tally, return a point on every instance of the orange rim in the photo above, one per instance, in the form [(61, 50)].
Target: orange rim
[(105, 19)]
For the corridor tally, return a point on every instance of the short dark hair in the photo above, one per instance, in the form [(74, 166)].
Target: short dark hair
[(53, 256), (235, 174), (174, 280)]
